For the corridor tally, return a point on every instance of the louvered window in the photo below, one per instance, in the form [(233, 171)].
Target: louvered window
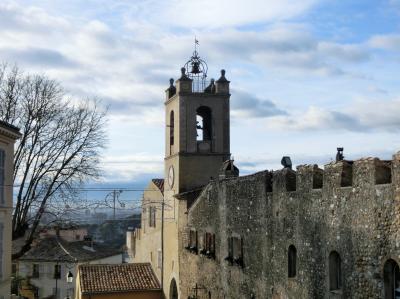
[(2, 175), (1, 249)]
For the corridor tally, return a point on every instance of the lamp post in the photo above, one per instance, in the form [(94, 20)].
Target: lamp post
[(70, 278)]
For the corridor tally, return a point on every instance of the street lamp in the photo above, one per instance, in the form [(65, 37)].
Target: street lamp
[(70, 278)]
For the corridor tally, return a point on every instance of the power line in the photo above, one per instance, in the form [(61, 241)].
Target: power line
[(100, 188)]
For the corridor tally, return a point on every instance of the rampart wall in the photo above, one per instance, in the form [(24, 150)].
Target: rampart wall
[(352, 208)]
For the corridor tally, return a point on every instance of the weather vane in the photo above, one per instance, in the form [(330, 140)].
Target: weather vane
[(196, 42)]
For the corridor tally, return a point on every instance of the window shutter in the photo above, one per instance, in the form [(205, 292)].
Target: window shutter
[(2, 175), (230, 247), (213, 243), (241, 248)]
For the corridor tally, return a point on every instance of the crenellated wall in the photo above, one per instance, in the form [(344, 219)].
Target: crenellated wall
[(351, 207)]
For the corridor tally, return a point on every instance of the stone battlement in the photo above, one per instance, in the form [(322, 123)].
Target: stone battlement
[(364, 172)]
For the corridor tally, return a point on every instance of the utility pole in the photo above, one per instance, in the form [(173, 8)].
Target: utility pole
[(114, 196), (162, 245)]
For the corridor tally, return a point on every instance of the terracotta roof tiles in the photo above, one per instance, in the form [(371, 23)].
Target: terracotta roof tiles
[(117, 278), (159, 183)]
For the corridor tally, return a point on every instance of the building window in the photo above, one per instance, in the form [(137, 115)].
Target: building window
[(203, 123), (335, 271), (152, 216), (2, 175), (391, 277), (57, 271), (35, 271), (208, 245), (292, 256), (1, 249), (171, 128), (235, 251), (77, 237), (159, 259), (193, 242)]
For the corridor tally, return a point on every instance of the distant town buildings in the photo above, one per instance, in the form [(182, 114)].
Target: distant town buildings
[(8, 135)]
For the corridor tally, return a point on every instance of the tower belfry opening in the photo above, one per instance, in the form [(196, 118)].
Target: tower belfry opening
[(203, 123)]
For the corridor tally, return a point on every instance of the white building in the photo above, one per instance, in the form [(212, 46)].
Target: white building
[(8, 135), (51, 260)]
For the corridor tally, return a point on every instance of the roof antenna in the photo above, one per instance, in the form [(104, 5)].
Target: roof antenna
[(339, 154)]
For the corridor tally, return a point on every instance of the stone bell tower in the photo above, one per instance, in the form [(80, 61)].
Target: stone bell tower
[(197, 127)]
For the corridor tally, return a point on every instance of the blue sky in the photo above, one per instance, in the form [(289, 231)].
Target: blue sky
[(306, 76)]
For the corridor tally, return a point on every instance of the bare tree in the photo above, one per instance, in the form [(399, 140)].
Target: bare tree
[(59, 149)]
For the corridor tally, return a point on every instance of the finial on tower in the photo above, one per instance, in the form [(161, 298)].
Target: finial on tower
[(222, 78), (184, 77)]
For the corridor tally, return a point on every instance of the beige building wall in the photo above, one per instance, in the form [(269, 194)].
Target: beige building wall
[(7, 139), (144, 245)]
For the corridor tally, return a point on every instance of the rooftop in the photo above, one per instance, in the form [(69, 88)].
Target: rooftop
[(117, 278), (53, 249), (10, 129), (160, 184)]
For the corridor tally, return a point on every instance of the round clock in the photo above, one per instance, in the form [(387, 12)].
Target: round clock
[(171, 176)]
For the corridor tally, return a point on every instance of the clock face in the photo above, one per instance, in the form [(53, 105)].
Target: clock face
[(171, 176)]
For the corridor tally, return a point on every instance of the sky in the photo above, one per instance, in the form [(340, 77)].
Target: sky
[(306, 76)]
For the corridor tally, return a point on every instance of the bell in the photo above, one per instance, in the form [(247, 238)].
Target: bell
[(195, 68)]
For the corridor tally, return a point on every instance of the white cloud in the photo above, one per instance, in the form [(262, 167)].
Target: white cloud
[(226, 13), (125, 168), (359, 116), (386, 42)]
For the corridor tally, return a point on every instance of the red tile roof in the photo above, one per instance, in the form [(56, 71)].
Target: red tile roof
[(117, 278), (159, 183)]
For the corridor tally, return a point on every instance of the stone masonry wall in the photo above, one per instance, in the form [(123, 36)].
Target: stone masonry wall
[(356, 212)]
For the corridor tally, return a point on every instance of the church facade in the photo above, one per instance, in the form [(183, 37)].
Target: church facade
[(304, 233)]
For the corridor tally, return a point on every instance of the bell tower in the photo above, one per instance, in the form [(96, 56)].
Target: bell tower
[(197, 127), (196, 145)]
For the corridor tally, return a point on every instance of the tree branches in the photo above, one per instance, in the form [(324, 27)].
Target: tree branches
[(59, 148)]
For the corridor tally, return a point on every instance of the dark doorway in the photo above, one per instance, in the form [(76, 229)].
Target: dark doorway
[(391, 277), (292, 256), (173, 290), (335, 271)]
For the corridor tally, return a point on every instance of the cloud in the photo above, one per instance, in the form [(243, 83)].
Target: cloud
[(287, 47), (217, 14), (37, 56), (124, 168), (389, 42), (362, 116), (246, 105)]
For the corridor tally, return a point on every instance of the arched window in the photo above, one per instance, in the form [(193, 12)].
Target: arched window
[(391, 278), (203, 123), (173, 290), (171, 128), (335, 271), (292, 256)]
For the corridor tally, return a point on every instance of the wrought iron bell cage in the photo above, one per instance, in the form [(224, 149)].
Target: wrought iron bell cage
[(196, 69)]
